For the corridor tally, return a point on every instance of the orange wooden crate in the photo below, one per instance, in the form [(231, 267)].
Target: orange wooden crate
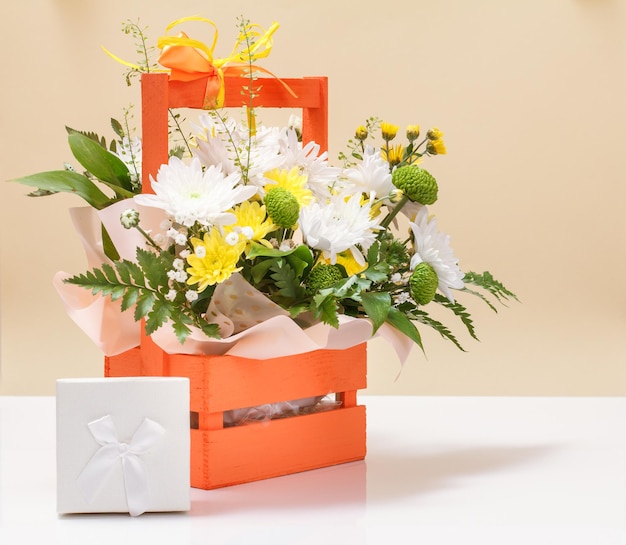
[(225, 456)]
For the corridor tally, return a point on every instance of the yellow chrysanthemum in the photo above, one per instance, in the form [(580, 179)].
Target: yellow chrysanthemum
[(388, 131), (292, 181), (213, 260), (252, 215), (347, 261), (393, 155)]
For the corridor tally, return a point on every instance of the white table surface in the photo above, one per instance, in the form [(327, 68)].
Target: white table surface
[(439, 470)]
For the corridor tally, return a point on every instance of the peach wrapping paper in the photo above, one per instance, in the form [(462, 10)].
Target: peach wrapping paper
[(251, 325)]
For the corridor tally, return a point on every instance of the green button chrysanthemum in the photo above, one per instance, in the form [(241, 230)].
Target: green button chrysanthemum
[(282, 207), (423, 283), (418, 184), (323, 276)]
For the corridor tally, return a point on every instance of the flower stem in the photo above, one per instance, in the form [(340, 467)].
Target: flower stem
[(385, 223)]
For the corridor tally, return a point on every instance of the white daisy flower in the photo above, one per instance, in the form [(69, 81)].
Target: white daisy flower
[(229, 144), (339, 225), (190, 195), (321, 176), (372, 174), (433, 247)]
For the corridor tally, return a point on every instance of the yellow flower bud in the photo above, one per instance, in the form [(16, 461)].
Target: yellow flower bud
[(361, 133), (436, 147), (389, 131), (412, 132), (434, 134)]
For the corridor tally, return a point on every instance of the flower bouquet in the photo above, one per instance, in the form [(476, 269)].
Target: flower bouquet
[(248, 233)]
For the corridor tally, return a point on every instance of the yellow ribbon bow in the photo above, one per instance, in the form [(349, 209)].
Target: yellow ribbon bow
[(186, 61)]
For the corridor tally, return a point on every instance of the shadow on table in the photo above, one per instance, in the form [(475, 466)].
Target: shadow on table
[(324, 488), (392, 476)]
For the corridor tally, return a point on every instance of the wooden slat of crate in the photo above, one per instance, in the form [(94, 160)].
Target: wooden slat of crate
[(255, 382), (279, 447)]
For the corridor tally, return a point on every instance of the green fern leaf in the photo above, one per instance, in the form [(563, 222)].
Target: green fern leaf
[(422, 317), (481, 296), (157, 316), (490, 284), (144, 304), (153, 268), (286, 280), (130, 297), (109, 273), (325, 308), (460, 311)]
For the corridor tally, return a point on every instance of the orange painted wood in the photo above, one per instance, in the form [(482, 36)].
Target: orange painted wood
[(127, 364), (159, 94), (269, 381), (279, 447), (224, 456)]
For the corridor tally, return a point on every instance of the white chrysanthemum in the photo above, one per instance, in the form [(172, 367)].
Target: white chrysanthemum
[(190, 195), (321, 176), (228, 144), (433, 247), (339, 225), (371, 175)]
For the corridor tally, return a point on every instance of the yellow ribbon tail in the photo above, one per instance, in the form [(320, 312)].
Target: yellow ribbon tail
[(129, 64)]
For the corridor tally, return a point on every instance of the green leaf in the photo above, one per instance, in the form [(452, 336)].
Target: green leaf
[(128, 270), (286, 280), (301, 259), (422, 317), (109, 273), (376, 306), (117, 128), (378, 272), (325, 308), (65, 181), (101, 163), (117, 292), (153, 269), (460, 311), (180, 325), (130, 297), (159, 313), (490, 284), (259, 270), (403, 324), (107, 244), (144, 304)]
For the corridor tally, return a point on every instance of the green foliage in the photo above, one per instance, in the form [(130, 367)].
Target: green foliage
[(377, 306), (491, 285), (104, 165), (143, 286), (459, 310), (65, 181), (423, 317)]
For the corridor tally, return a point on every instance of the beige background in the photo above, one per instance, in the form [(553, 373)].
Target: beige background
[(530, 95)]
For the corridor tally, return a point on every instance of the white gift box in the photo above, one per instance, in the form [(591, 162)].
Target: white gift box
[(122, 445)]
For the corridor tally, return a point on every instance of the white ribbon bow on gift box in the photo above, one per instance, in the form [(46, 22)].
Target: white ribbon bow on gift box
[(102, 463)]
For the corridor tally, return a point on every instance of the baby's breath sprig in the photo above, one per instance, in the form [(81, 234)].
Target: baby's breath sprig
[(356, 145), (251, 90), (146, 52)]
